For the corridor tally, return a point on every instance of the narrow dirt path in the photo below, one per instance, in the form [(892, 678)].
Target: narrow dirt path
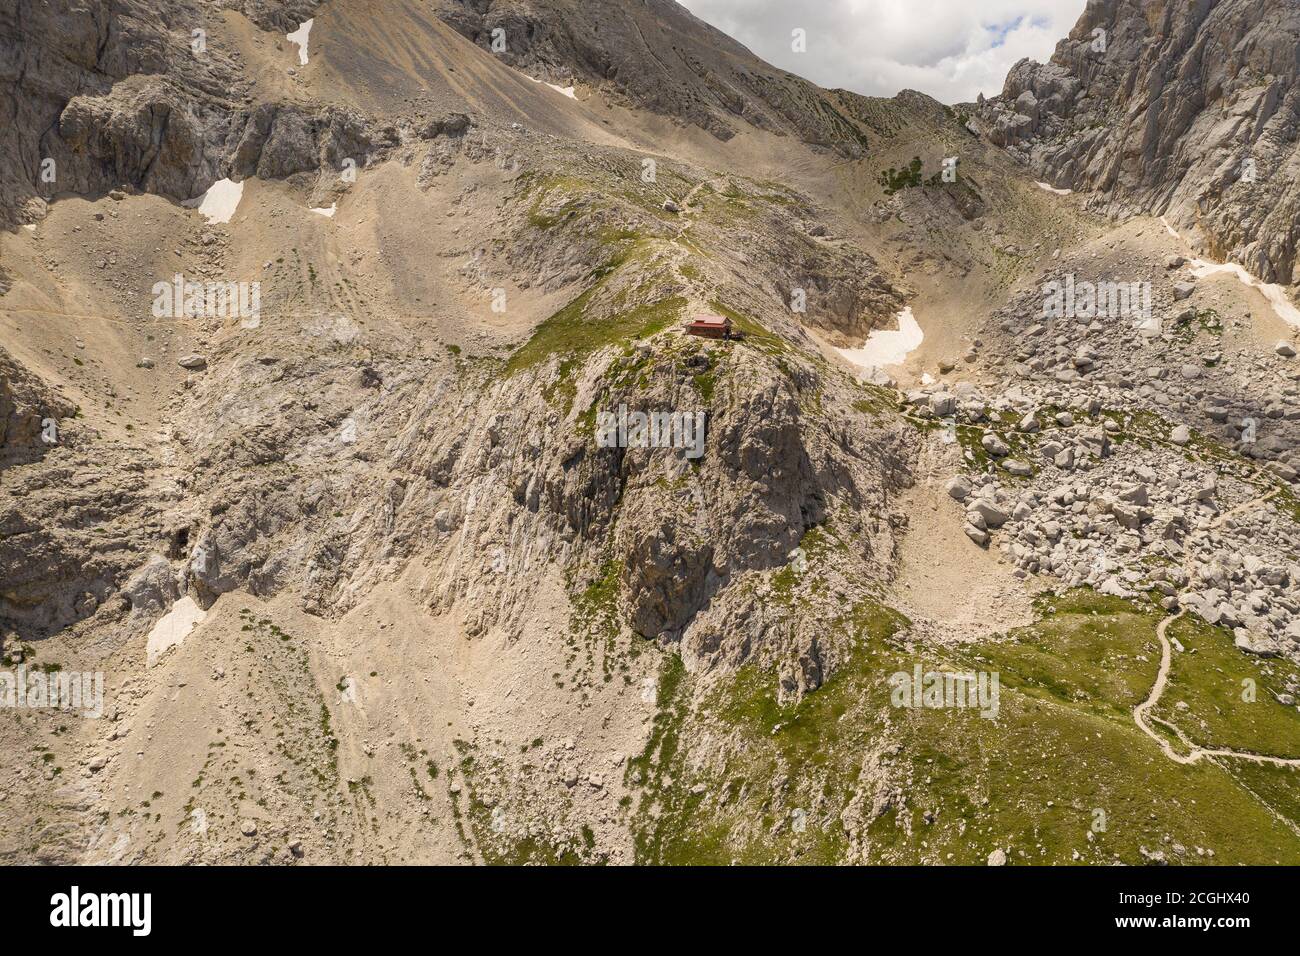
[(696, 303), (1143, 710), (685, 204)]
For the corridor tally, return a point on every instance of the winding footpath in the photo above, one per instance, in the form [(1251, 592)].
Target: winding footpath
[(1142, 712), (681, 252)]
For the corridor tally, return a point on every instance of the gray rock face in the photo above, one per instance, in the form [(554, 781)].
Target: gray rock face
[(1184, 109), (278, 141), (26, 406), (994, 445), (153, 588), (93, 100), (112, 95)]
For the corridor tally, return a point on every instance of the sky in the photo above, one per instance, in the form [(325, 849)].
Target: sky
[(950, 49)]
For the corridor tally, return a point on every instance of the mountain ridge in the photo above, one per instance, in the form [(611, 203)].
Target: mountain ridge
[(369, 583)]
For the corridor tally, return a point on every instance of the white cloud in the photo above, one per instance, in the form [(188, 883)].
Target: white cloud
[(950, 49)]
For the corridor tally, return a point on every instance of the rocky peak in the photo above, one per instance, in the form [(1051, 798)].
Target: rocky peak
[(1190, 110)]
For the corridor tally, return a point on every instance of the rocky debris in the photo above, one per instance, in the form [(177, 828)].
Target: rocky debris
[(998, 857), (194, 362), (1122, 517), (1126, 525), (958, 488), (1285, 349), (1156, 857)]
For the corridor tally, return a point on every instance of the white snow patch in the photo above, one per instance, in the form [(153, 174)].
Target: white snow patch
[(326, 211), (570, 91), (1170, 229), (888, 346), (173, 627), (1282, 305), (299, 36), (29, 226), (221, 200), (1052, 189)]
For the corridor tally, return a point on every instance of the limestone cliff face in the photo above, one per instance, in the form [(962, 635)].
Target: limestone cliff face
[(111, 94), (1188, 109), (25, 403), (106, 95)]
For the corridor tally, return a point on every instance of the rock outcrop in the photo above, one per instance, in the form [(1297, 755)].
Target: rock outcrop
[(1189, 110)]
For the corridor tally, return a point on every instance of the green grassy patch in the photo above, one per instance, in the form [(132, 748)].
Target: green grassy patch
[(572, 333), (1208, 676), (1085, 650), (877, 402), (1061, 774), (755, 334), (1202, 320), (895, 179)]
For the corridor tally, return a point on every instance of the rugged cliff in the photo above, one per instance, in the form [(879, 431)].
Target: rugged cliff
[(1188, 110)]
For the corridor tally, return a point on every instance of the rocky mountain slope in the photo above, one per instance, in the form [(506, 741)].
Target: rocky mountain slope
[(366, 584), (657, 56), (1189, 110)]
